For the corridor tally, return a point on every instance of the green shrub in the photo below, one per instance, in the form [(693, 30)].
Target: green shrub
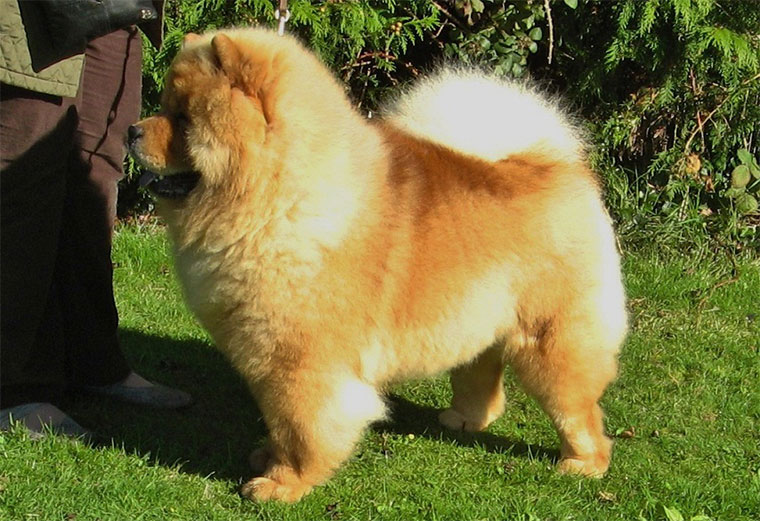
[(371, 45), (670, 88)]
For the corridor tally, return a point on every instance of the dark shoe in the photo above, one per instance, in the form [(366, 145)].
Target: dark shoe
[(40, 418)]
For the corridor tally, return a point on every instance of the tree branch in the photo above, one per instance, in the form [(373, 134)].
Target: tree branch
[(548, 10)]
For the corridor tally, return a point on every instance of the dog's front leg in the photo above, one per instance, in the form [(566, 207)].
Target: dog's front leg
[(314, 419)]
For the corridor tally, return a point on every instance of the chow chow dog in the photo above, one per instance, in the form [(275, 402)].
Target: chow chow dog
[(330, 255)]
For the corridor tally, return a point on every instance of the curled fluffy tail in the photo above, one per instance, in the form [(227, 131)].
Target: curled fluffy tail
[(486, 117)]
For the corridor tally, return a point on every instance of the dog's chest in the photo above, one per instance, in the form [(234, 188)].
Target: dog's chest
[(211, 286)]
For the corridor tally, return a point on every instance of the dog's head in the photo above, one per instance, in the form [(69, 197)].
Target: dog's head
[(211, 119)]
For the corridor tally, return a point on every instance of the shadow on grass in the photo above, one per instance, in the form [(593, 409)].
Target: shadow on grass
[(213, 436), (410, 418)]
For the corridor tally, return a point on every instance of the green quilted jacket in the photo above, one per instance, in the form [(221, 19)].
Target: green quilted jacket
[(18, 34), (59, 79)]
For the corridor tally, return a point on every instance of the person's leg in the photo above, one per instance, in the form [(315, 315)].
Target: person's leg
[(36, 135), (109, 102)]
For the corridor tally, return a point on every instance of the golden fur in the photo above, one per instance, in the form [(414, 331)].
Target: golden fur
[(329, 256)]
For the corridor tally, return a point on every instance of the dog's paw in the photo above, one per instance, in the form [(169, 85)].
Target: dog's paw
[(260, 459), (454, 420), (266, 489), (590, 467)]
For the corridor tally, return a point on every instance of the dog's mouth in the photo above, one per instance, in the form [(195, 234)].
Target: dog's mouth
[(175, 186)]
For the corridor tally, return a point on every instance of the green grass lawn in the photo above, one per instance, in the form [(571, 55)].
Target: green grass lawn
[(685, 414)]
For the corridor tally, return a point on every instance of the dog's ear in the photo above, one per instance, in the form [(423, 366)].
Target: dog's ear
[(228, 55), (189, 38)]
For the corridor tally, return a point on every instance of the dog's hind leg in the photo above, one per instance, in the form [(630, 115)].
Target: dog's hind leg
[(567, 370), (314, 422), (478, 392)]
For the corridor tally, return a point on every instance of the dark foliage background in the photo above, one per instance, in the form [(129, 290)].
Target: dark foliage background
[(669, 89)]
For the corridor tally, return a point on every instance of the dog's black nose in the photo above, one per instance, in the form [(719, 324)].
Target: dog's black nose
[(134, 133)]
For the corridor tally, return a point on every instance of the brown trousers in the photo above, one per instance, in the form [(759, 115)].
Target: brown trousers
[(61, 160)]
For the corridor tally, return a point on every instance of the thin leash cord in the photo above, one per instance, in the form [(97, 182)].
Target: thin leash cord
[(282, 14)]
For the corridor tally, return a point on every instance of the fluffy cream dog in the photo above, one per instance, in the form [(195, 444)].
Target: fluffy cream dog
[(329, 256)]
